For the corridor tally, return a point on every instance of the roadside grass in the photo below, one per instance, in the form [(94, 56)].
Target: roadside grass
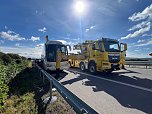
[(26, 97)]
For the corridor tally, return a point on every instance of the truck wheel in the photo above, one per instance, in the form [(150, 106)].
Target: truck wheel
[(92, 68), (123, 67), (109, 71), (82, 67)]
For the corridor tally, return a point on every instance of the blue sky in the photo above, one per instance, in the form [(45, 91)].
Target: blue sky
[(25, 23)]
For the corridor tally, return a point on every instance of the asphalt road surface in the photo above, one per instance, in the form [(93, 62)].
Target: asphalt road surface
[(122, 92)]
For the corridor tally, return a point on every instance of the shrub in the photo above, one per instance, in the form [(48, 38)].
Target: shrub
[(7, 72), (6, 59), (18, 61), (1, 61), (14, 56), (1, 54), (3, 84)]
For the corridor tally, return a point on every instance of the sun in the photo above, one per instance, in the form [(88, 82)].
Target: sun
[(80, 7)]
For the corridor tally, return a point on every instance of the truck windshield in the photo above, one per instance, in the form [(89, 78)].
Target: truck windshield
[(63, 49), (51, 51), (111, 46)]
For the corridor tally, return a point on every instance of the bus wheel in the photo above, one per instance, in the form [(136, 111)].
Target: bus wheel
[(92, 68), (82, 67)]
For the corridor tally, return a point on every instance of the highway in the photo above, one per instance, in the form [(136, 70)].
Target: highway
[(122, 92)]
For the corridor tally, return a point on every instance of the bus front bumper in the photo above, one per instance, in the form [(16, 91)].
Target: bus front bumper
[(63, 66)]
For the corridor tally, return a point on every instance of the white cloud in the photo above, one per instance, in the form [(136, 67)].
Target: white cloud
[(10, 35), (35, 38), (146, 13), (92, 27), (42, 30), (40, 45), (149, 42), (88, 29), (119, 1), (146, 48), (6, 27), (140, 25), (17, 44), (136, 50), (36, 12), (137, 33), (67, 38), (1, 42), (147, 35), (139, 41), (34, 52), (76, 39)]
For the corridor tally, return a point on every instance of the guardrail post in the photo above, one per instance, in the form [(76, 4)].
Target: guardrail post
[(83, 111), (43, 78), (51, 83), (146, 66), (40, 72)]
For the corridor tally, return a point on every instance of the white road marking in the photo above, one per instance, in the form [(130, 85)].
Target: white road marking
[(118, 82)]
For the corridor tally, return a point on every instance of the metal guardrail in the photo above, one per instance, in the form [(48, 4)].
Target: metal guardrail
[(77, 104), (139, 63)]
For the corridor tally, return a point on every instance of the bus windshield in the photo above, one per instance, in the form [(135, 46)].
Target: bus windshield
[(51, 51)]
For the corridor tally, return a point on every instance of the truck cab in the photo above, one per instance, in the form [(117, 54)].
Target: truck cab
[(108, 54), (100, 55)]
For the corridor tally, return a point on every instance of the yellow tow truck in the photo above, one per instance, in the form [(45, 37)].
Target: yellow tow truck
[(99, 55)]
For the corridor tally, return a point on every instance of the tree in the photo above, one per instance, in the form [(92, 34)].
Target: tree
[(14, 56), (1, 54), (6, 59)]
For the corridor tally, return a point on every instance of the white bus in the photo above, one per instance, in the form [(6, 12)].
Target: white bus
[(49, 55)]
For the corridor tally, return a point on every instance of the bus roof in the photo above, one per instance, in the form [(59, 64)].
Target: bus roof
[(54, 42)]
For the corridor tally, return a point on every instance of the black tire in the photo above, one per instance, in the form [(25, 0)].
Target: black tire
[(82, 66), (109, 71), (123, 67), (92, 68)]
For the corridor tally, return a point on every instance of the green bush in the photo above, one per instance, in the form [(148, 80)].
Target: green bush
[(3, 84), (14, 56), (6, 59), (1, 54), (7, 72), (21, 105), (1, 61), (18, 61)]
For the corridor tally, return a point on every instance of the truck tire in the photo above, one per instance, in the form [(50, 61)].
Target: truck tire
[(109, 71), (92, 68), (123, 66), (82, 66)]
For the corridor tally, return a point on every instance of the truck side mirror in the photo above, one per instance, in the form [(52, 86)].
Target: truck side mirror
[(69, 47), (125, 47)]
